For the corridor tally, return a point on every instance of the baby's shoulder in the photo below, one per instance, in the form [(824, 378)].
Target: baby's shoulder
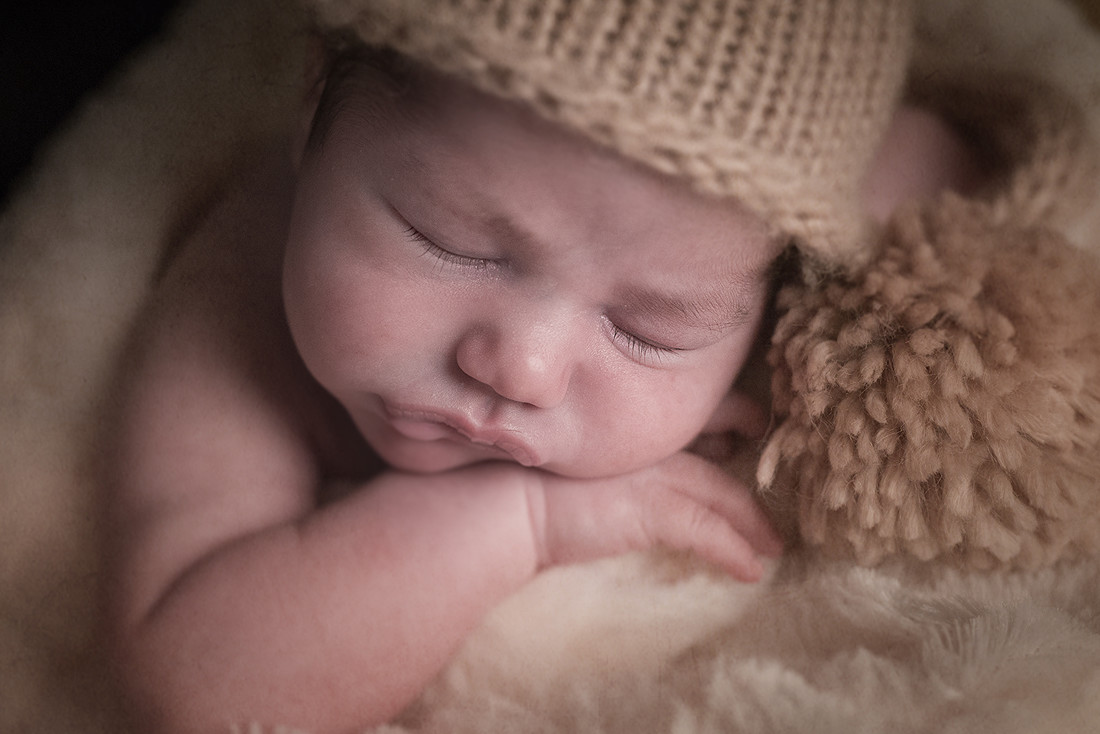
[(215, 306), (215, 332), (230, 251)]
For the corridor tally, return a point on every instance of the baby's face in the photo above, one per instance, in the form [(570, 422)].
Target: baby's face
[(472, 284)]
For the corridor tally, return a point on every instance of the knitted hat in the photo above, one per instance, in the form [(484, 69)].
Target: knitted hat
[(777, 103)]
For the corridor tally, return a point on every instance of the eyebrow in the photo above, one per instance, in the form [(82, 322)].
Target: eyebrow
[(500, 226), (506, 229), (719, 309)]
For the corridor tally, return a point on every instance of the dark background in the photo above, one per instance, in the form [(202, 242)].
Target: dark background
[(52, 53)]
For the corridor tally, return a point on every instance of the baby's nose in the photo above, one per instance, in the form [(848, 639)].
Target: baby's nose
[(525, 362)]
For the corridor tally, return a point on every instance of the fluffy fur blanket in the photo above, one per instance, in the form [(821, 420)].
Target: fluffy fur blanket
[(640, 643)]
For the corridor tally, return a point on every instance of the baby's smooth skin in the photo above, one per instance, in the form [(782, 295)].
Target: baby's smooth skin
[(392, 377), (516, 335)]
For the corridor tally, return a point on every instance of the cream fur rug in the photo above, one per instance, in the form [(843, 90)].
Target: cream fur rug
[(633, 644)]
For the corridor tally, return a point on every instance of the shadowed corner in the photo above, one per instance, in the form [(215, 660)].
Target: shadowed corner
[(1091, 9), (54, 53)]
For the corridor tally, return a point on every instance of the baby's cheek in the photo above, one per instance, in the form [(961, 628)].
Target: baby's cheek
[(327, 335), (666, 414)]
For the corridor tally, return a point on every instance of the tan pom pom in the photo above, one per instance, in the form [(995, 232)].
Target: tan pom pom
[(945, 401)]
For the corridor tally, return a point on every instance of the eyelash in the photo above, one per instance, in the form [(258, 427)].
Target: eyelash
[(445, 255), (637, 348)]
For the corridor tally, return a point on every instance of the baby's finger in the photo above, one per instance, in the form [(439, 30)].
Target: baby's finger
[(729, 498), (691, 527), (738, 507)]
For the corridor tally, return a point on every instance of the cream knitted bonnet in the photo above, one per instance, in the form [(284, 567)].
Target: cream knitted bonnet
[(778, 103)]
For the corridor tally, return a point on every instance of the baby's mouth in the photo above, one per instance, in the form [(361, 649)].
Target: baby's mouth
[(426, 424)]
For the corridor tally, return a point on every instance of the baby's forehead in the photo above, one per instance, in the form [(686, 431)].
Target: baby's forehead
[(675, 256), (367, 87), (456, 114), (496, 169)]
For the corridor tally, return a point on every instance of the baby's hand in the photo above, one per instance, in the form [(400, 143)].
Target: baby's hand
[(683, 502)]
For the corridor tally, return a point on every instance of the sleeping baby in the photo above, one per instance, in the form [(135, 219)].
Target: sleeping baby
[(462, 328)]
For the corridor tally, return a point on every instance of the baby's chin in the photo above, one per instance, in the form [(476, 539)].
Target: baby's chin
[(439, 462), (437, 457), (432, 458), (422, 462)]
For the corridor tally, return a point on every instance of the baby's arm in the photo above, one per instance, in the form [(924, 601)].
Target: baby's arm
[(238, 598), (235, 596)]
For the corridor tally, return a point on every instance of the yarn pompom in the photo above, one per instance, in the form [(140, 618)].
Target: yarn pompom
[(944, 402)]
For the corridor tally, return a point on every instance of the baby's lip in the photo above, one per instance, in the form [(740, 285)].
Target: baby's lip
[(415, 422)]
